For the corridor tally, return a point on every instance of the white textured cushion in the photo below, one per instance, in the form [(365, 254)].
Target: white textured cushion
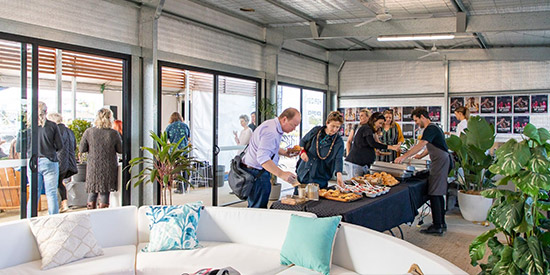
[(118, 260), (64, 238), (247, 259)]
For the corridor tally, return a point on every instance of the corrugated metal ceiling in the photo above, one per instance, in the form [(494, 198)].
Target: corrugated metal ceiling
[(265, 12), (529, 38), (505, 6)]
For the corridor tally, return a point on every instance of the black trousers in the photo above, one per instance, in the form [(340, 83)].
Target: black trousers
[(61, 187), (437, 203)]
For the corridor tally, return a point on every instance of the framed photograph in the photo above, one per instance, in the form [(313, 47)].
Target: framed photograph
[(435, 113), (350, 114), (341, 132), (538, 104), (348, 128), (455, 103), (397, 113), (342, 111), (407, 116), (382, 109), (504, 104), (490, 120), (488, 105), (521, 104), (454, 123), (519, 123), (408, 130), (504, 124), (472, 103)]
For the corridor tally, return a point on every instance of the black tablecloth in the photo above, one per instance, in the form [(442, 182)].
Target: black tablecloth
[(381, 213)]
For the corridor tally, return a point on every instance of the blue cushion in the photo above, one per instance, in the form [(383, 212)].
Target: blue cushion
[(309, 242), (173, 227)]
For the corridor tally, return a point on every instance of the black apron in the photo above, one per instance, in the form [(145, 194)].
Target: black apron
[(439, 170)]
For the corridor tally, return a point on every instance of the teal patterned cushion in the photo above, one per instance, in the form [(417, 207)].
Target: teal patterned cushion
[(173, 227)]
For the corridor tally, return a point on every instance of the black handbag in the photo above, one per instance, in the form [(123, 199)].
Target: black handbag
[(241, 181)]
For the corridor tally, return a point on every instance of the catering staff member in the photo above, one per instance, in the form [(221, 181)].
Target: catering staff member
[(324, 155), (434, 140)]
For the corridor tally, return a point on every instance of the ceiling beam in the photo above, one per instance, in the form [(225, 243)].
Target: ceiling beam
[(296, 12), (528, 21), (229, 12), (359, 43), (462, 10), (495, 54)]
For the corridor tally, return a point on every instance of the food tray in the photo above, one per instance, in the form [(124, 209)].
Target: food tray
[(358, 197), (293, 200), (398, 174)]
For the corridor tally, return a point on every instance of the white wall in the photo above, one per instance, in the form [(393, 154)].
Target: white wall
[(168, 106), (113, 98)]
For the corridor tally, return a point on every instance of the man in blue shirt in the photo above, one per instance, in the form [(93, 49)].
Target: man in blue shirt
[(263, 153)]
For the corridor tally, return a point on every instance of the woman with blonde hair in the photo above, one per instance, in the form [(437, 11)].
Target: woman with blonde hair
[(391, 134), (177, 130), (49, 142), (364, 115), (322, 156), (102, 143)]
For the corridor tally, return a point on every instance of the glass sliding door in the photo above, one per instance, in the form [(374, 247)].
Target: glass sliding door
[(236, 106), (313, 106)]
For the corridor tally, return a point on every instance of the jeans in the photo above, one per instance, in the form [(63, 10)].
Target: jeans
[(48, 176), (259, 196)]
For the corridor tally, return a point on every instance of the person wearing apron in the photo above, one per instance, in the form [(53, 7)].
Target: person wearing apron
[(434, 140)]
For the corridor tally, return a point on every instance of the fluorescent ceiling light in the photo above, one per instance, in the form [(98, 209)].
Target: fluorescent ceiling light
[(415, 37)]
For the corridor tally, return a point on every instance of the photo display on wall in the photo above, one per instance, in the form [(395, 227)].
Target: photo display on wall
[(519, 123), (407, 117), (521, 104), (455, 103), (397, 113), (350, 114), (454, 123), (488, 105), (472, 103), (539, 104), (408, 130), (504, 104), (490, 120), (504, 124), (435, 113)]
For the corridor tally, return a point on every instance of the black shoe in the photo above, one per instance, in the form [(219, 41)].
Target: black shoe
[(444, 226), (177, 191), (433, 230)]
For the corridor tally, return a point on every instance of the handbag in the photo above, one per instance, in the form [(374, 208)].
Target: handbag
[(241, 181)]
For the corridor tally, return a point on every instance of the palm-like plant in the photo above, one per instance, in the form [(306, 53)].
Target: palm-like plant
[(167, 163)]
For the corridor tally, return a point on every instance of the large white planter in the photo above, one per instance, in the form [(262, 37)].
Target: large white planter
[(474, 207)]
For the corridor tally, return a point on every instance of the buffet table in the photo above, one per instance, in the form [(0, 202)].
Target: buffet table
[(381, 213)]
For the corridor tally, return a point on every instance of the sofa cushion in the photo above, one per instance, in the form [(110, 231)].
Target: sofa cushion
[(64, 238), (173, 227), (298, 270), (115, 260), (247, 259), (309, 242)]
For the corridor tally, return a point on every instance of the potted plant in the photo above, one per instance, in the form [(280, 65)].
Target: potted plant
[(519, 215), (472, 167), (78, 126), (166, 164)]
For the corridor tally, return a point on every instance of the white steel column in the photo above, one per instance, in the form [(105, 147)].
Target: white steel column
[(59, 79)]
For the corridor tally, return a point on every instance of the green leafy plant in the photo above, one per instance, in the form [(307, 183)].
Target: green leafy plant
[(407, 144), (78, 126), (472, 167), (267, 108), (518, 214), (167, 163)]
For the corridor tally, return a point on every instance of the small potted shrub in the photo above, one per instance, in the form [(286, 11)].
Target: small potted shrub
[(78, 126), (165, 163)]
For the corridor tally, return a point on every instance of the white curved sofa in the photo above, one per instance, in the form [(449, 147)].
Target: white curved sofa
[(248, 240)]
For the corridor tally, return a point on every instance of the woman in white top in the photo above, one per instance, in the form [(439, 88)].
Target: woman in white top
[(462, 114), (244, 137)]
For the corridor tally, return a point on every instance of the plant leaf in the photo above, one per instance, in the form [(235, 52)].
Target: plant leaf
[(530, 183), (454, 143), (536, 251), (477, 247), (505, 265), (507, 215), (503, 181), (480, 133), (544, 135), (531, 131), (539, 162)]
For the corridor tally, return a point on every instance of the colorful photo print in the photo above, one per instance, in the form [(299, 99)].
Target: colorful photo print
[(350, 114), (408, 130), (538, 104), (372, 109), (418, 131), (341, 132), (347, 129), (454, 123), (504, 104), (521, 104), (490, 120), (504, 124), (488, 105), (407, 114), (435, 113), (472, 104), (519, 123), (397, 113), (456, 102)]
